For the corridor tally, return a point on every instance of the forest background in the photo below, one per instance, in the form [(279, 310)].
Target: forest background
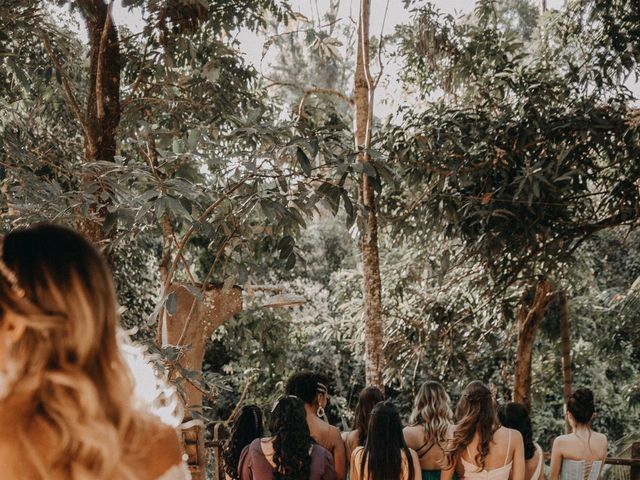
[(502, 157)]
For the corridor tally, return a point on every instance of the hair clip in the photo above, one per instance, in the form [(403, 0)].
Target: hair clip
[(9, 275)]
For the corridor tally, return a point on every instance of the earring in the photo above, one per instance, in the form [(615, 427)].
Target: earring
[(320, 412)]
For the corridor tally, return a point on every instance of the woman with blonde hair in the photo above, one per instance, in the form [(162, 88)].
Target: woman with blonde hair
[(66, 394), (430, 426), (481, 449)]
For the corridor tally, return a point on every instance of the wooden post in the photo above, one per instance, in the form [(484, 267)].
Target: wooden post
[(635, 455), (220, 434), (193, 441)]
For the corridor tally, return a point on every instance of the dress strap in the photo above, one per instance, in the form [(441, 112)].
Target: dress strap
[(506, 458), (470, 457), (420, 455)]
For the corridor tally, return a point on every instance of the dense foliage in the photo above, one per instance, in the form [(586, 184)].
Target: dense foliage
[(516, 159)]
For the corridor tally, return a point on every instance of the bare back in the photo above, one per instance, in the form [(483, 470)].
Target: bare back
[(329, 437), (351, 442), (429, 451), (585, 446)]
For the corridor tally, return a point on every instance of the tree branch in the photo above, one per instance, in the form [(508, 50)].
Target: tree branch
[(321, 91), (185, 238), (100, 64), (136, 83), (306, 91), (73, 103)]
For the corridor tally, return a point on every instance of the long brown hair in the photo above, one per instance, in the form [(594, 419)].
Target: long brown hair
[(368, 399), (476, 412), (68, 361)]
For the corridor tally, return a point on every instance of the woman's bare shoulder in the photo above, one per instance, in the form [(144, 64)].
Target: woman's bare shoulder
[(335, 436), (163, 448)]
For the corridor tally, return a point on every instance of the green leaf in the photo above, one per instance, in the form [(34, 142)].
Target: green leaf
[(303, 160), (171, 305)]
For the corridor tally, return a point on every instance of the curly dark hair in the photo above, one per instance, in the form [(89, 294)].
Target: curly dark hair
[(369, 397), (382, 455), (306, 385), (515, 415), (581, 405), (291, 440), (475, 412), (246, 427)]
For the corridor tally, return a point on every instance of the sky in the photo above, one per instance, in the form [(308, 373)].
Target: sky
[(251, 45)]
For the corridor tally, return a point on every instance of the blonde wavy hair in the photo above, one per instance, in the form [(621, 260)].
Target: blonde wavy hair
[(67, 362), (431, 409)]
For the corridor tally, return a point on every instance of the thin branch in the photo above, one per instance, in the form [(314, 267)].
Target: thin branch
[(73, 103), (185, 238), (243, 396), (136, 83), (380, 42), (306, 91), (100, 64), (321, 91)]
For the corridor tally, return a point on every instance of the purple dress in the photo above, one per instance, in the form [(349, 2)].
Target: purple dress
[(253, 465)]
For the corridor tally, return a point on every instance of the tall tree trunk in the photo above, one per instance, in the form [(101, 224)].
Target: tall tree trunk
[(363, 95), (102, 115), (565, 341), (529, 318), (192, 323)]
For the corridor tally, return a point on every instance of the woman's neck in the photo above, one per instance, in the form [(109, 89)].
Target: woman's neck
[(580, 428), (16, 410), (311, 410)]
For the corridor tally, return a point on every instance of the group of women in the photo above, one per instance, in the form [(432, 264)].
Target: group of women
[(483, 442)]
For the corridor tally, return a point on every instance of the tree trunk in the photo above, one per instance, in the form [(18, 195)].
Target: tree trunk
[(103, 100), (192, 324), (363, 95), (565, 341), (102, 115), (529, 318)]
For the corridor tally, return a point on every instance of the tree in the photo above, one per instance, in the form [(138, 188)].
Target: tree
[(363, 99), (519, 165)]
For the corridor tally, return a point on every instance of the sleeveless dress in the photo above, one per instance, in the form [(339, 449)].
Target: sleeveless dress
[(580, 470), (472, 471), (538, 474), (430, 474)]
